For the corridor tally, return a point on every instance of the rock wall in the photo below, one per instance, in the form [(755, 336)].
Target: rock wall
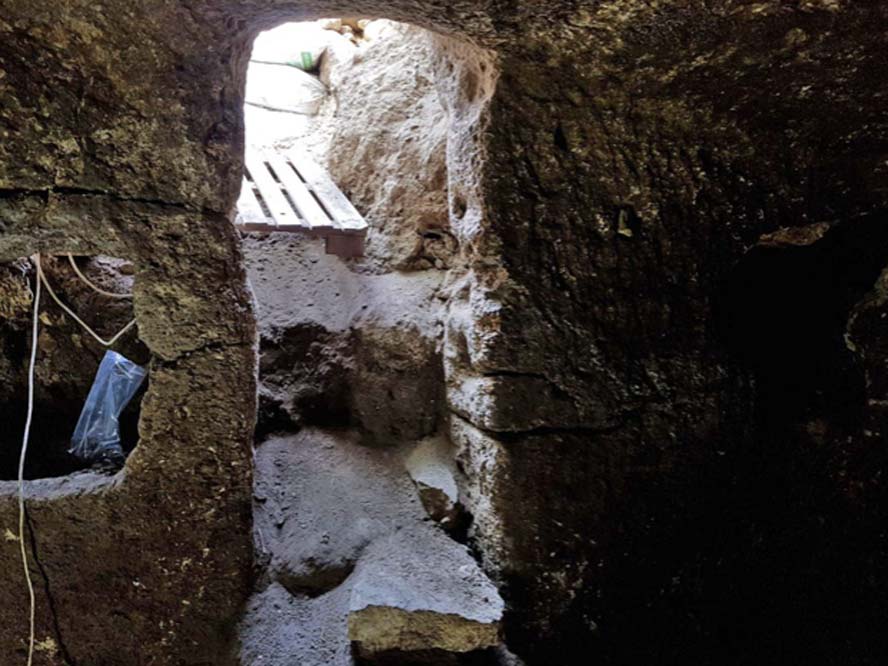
[(635, 488), (107, 552), (341, 348), (388, 146), (116, 142), (646, 492)]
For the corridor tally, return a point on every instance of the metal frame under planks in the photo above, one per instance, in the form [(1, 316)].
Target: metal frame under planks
[(288, 191)]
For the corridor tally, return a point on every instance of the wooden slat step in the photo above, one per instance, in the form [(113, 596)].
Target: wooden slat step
[(309, 210), (249, 209), (290, 192), (270, 190), (345, 215)]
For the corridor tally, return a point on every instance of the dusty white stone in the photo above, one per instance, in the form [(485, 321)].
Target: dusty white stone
[(419, 590), (284, 88), (360, 343), (483, 459), (431, 466), (321, 498), (279, 629)]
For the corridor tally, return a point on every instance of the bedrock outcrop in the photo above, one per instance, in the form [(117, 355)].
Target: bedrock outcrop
[(353, 570), (345, 348)]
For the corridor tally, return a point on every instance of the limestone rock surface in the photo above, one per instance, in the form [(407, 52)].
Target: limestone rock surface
[(418, 590), (348, 556), (346, 348), (388, 149), (280, 629), (320, 499), (432, 466)]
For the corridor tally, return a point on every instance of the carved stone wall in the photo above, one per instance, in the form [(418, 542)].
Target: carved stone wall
[(610, 163)]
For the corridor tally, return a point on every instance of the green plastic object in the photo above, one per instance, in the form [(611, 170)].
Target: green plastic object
[(306, 63)]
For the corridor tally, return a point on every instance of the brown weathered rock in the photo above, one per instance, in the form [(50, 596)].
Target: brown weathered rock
[(168, 531)]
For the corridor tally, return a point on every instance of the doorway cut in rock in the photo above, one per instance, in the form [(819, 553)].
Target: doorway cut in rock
[(288, 191)]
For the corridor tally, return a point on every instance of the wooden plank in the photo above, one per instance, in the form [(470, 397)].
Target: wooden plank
[(344, 214), (313, 216), (248, 207), (280, 208), (266, 226), (344, 246)]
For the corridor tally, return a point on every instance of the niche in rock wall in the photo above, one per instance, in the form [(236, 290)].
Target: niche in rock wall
[(797, 557), (784, 311), (68, 358)]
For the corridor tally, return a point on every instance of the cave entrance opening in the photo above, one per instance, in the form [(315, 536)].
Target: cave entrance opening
[(357, 103), (67, 358), (368, 110), (352, 381), (285, 187)]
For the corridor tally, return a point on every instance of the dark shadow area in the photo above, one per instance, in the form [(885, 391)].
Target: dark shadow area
[(783, 313), (303, 381), (50, 440), (751, 547), (795, 575), (67, 358)]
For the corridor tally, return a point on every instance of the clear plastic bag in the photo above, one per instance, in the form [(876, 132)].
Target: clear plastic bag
[(97, 435)]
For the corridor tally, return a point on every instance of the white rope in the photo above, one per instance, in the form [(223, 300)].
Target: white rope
[(89, 284), (21, 469), (41, 280), (107, 343)]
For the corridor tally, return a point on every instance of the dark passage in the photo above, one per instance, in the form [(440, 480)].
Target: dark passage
[(784, 311), (793, 575), (50, 439), (751, 549)]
